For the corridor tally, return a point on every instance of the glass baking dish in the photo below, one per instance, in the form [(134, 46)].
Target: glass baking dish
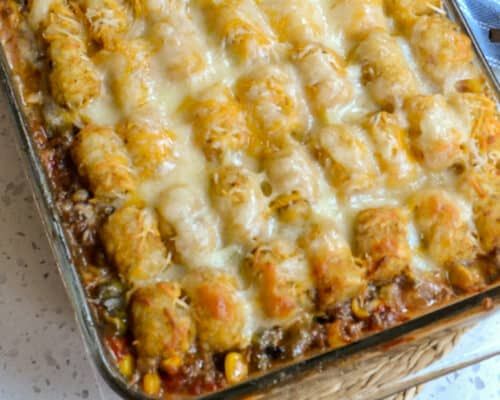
[(307, 377)]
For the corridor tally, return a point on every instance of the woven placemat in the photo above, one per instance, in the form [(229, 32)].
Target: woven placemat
[(425, 354), (370, 373)]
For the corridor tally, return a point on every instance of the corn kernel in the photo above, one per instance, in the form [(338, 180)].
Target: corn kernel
[(171, 365), (359, 311), (151, 383), (126, 366), (462, 277), (236, 369)]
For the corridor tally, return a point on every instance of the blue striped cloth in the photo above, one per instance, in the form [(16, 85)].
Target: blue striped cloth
[(483, 15)]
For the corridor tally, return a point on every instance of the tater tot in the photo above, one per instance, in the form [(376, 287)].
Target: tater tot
[(269, 96), (38, 11), (484, 122), (74, 79), (282, 276), (179, 45), (157, 9), (219, 124), (381, 240), (487, 218), (385, 71), (149, 143), (218, 310), (243, 207), (392, 148), (481, 182), (132, 242), (325, 78), (437, 131), (345, 157), (131, 80), (294, 182), (357, 18), (336, 275), (176, 42), (161, 325), (294, 21), (406, 12), (444, 227), (292, 169), (482, 187), (241, 29), (101, 158), (187, 220), (108, 20), (448, 236), (443, 51)]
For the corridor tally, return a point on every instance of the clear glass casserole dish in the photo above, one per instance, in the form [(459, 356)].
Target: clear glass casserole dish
[(344, 359)]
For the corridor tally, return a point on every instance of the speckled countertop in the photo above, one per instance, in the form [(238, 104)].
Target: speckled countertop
[(41, 352)]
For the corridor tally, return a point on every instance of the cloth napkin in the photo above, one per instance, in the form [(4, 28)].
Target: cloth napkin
[(481, 16)]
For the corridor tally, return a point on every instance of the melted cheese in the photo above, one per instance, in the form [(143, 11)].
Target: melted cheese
[(356, 18), (181, 52), (189, 223), (293, 170), (289, 78), (344, 153), (295, 21), (39, 10), (438, 130)]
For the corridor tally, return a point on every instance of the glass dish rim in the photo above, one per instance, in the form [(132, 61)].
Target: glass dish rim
[(94, 342)]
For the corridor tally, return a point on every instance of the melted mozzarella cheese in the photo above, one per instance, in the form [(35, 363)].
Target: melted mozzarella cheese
[(39, 10), (189, 222), (145, 71), (293, 170)]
